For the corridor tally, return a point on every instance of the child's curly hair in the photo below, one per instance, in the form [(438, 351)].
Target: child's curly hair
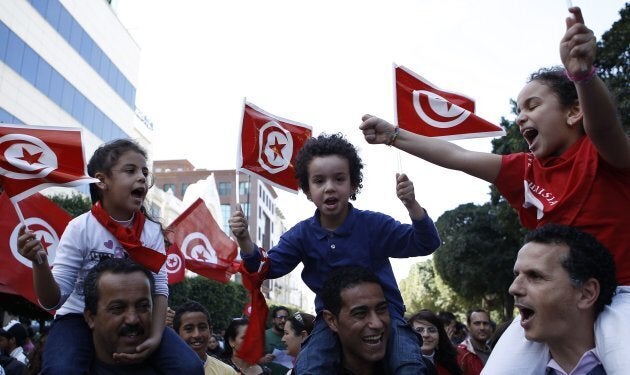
[(325, 145)]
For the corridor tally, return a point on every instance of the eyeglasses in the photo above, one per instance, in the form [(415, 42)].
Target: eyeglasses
[(430, 330)]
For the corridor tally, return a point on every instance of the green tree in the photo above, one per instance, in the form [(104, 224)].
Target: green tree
[(613, 59), (74, 204), (478, 253), (425, 289), (223, 301)]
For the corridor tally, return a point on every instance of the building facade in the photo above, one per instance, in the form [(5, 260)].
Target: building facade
[(70, 63)]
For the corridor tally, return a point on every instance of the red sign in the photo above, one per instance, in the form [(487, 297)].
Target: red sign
[(207, 250), (43, 217), (269, 145), (424, 109), (33, 158)]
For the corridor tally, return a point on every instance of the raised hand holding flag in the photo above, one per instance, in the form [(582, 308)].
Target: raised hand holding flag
[(424, 109), (47, 221), (268, 146)]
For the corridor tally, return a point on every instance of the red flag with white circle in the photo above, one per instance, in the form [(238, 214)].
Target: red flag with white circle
[(207, 251), (424, 109), (47, 221), (268, 147), (33, 158)]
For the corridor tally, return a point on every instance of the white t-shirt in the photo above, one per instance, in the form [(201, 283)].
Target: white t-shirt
[(83, 244)]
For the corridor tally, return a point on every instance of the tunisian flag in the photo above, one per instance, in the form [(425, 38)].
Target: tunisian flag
[(207, 250), (269, 145), (43, 217), (424, 109), (33, 158), (175, 265)]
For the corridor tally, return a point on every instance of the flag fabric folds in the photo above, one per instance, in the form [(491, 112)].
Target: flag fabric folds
[(175, 265), (253, 346), (47, 221), (33, 158), (424, 109), (268, 147), (207, 251)]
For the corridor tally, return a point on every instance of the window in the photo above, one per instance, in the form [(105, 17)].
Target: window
[(225, 214), (225, 188), (243, 188), (168, 187), (184, 188)]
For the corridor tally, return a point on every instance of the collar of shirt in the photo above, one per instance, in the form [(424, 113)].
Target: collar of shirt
[(344, 229), (588, 362)]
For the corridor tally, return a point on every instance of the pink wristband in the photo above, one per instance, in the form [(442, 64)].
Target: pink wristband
[(582, 78)]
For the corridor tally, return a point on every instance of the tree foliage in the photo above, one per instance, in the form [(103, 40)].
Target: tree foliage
[(613, 59), (425, 289), (477, 255), (74, 204), (223, 301)]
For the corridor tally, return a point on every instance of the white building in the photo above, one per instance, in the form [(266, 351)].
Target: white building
[(70, 63)]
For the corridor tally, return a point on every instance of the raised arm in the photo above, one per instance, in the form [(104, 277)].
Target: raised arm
[(601, 123), (46, 288), (483, 165)]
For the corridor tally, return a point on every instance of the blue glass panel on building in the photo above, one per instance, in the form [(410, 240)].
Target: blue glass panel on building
[(7, 118), (53, 12), (15, 51), (67, 96), (29, 65), (86, 48), (95, 57), (42, 81), (4, 40), (65, 24), (78, 106), (56, 87), (88, 113), (40, 6), (76, 33)]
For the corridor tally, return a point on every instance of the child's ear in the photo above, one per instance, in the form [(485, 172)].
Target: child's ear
[(575, 115), (101, 176)]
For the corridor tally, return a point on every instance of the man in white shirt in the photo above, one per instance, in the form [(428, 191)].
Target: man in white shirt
[(563, 279)]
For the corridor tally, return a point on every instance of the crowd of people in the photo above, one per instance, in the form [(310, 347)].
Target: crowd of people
[(108, 283)]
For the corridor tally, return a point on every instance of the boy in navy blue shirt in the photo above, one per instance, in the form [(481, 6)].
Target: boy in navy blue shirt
[(328, 170)]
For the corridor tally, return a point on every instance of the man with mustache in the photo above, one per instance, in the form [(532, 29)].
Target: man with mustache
[(118, 305)]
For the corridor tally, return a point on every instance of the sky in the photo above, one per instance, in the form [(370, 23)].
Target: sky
[(326, 63)]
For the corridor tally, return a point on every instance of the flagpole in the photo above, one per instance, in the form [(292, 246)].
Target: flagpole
[(21, 217)]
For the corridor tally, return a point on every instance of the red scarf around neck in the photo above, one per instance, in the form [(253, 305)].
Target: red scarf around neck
[(129, 238)]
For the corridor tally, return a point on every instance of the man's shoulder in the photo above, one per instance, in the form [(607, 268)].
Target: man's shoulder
[(214, 366)]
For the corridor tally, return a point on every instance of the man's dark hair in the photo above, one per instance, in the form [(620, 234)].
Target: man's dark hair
[(342, 278), (115, 266), (471, 311), (326, 145), (587, 258), (189, 306), (446, 317)]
